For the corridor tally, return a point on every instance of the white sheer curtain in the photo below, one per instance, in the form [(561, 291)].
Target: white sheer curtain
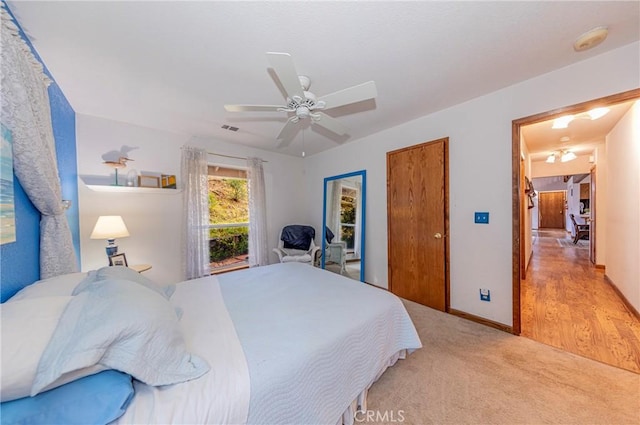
[(258, 246), (358, 229), (26, 113), (195, 248), (333, 219)]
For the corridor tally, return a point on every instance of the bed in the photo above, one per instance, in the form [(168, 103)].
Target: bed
[(285, 343)]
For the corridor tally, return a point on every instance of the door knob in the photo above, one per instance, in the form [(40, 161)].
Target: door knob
[(438, 236)]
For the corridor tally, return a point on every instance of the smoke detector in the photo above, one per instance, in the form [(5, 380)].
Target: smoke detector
[(590, 39)]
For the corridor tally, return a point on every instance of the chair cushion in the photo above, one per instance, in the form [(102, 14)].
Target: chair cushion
[(295, 252), (306, 258)]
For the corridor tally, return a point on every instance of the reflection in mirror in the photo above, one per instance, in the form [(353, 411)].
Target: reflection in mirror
[(343, 224)]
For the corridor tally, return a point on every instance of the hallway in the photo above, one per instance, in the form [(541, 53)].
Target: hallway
[(567, 303)]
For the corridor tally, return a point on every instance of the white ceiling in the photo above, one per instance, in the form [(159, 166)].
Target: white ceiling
[(173, 65)]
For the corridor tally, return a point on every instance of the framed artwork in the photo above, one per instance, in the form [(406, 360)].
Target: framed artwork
[(148, 181), (118, 260), (7, 201)]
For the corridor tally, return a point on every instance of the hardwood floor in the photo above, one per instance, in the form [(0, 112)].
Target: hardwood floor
[(567, 303)]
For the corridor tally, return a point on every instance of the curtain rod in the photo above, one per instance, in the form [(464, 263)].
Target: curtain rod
[(231, 156)]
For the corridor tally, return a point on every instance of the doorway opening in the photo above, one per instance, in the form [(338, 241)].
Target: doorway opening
[(553, 278)]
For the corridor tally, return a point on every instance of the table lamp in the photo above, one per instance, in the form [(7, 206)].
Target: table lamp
[(110, 227)]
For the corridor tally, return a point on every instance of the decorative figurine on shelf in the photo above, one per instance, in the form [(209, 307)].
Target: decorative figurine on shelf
[(117, 159), (120, 163)]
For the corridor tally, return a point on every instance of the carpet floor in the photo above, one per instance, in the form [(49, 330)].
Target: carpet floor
[(467, 373)]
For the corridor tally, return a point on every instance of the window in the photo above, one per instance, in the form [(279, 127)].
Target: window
[(348, 207), (228, 218)]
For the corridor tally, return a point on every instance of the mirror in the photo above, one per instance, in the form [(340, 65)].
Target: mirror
[(343, 221)]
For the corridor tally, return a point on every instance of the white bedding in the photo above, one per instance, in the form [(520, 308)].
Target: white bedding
[(287, 344), (220, 396)]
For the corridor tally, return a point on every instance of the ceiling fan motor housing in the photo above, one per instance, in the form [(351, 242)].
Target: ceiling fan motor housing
[(303, 107)]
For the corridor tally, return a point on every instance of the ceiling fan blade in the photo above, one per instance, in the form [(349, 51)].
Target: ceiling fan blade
[(330, 124), (250, 108), (286, 134), (282, 64), (353, 94)]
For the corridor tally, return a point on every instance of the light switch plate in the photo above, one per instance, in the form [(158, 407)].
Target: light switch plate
[(485, 294)]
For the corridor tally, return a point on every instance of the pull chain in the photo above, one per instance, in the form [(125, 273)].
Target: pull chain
[(303, 142)]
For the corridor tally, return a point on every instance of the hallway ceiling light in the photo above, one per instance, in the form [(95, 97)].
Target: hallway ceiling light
[(562, 122), (596, 113), (567, 156), (551, 158)]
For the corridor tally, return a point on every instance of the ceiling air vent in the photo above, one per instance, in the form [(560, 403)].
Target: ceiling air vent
[(230, 128)]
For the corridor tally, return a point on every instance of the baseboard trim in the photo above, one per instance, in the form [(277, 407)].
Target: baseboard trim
[(600, 266), (624, 299), (481, 320), (375, 286)]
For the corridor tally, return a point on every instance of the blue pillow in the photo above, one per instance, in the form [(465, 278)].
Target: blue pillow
[(95, 399)]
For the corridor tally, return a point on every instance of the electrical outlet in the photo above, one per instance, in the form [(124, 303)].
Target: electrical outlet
[(485, 295), (482, 217)]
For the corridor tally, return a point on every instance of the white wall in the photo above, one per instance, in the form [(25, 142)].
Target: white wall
[(623, 201), (154, 220), (479, 134), (601, 202)]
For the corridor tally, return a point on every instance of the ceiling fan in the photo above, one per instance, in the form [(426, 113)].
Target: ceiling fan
[(303, 103)]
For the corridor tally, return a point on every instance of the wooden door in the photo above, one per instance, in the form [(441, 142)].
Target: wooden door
[(418, 223), (551, 210)]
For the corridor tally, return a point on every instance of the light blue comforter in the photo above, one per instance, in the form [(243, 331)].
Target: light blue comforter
[(313, 340)]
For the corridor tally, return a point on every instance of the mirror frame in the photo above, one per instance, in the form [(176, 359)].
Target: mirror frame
[(363, 174)]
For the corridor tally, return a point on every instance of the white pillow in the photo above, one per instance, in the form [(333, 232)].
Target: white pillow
[(123, 273), (122, 326), (27, 326), (62, 285)]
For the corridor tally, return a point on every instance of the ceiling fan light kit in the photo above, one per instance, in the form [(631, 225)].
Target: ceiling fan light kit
[(565, 156), (304, 104)]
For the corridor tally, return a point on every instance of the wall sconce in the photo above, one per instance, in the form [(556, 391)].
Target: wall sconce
[(110, 227)]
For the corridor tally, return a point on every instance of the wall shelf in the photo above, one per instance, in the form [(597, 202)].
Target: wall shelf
[(100, 184), (129, 189)]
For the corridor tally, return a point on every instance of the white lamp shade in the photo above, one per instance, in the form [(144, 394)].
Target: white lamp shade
[(109, 227), (568, 156)]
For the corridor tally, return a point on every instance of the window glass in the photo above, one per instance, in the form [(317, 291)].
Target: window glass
[(228, 218)]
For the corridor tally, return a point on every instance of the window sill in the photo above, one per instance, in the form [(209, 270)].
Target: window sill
[(230, 269)]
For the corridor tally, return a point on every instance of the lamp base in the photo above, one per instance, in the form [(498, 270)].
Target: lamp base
[(112, 248)]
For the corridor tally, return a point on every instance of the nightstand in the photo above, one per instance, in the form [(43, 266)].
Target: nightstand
[(140, 267)]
